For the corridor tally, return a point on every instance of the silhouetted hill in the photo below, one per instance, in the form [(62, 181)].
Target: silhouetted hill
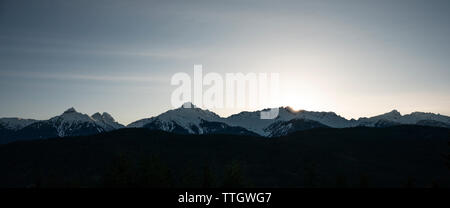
[(374, 157)]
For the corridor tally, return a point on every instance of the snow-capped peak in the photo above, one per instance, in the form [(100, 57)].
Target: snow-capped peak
[(97, 116), (71, 115), (187, 118), (107, 117), (253, 122), (393, 115), (330, 119), (72, 120), (395, 112)]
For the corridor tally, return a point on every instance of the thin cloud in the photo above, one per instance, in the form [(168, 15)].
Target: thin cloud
[(165, 53), (85, 77), (70, 47)]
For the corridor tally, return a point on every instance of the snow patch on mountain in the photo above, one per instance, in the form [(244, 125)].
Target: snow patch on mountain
[(15, 123), (73, 121), (188, 117), (330, 119), (141, 123), (252, 121), (395, 118), (282, 128)]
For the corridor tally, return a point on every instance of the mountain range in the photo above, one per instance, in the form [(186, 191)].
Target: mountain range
[(70, 123), (189, 119)]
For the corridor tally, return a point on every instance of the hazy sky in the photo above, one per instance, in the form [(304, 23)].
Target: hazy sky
[(356, 58)]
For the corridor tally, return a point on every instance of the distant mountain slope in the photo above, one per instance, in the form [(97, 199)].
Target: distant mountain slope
[(394, 118), (253, 122), (222, 128), (282, 128), (15, 123), (433, 123), (140, 123)]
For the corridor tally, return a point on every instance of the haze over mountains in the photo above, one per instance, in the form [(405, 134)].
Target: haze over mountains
[(195, 120)]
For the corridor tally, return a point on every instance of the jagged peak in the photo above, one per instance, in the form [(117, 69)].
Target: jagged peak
[(423, 113), (96, 115), (394, 113), (107, 116), (103, 116), (70, 110), (291, 110), (188, 105)]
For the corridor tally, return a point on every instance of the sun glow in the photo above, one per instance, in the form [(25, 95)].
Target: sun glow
[(302, 96)]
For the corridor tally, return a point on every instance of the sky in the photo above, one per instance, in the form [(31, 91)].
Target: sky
[(354, 57)]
